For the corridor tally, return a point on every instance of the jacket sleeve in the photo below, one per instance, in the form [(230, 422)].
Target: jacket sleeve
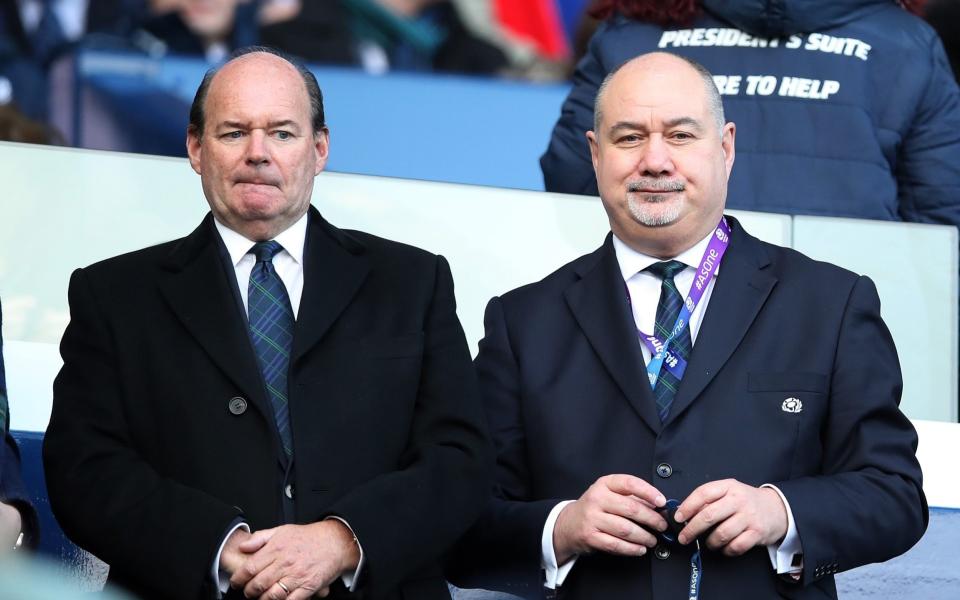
[(566, 165), (867, 504), (407, 518), (106, 496), (928, 164), (511, 513)]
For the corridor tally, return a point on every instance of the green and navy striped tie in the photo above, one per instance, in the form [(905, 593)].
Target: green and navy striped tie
[(667, 312), (271, 328)]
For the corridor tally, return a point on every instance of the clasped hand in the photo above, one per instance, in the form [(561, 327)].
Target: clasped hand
[(617, 515), (290, 562), (737, 516)]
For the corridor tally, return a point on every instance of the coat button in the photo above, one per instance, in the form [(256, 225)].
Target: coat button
[(288, 491), (237, 405), (661, 552), (664, 470)]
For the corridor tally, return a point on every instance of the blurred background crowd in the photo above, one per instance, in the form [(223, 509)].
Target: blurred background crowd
[(537, 40), (894, 155), (496, 38)]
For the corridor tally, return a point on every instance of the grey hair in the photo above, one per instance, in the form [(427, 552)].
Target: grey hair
[(714, 102)]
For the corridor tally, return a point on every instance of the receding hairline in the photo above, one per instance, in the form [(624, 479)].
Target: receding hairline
[(254, 55), (713, 101), (269, 58), (311, 87)]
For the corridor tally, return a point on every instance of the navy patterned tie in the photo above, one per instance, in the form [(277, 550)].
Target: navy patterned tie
[(667, 311), (271, 328)]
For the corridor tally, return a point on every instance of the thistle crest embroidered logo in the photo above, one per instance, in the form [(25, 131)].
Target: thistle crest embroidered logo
[(792, 405)]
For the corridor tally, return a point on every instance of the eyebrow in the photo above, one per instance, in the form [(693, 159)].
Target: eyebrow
[(685, 121), (271, 125), (284, 123), (670, 124)]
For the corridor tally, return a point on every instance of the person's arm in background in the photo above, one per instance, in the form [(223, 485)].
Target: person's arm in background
[(928, 162), (566, 164), (17, 514)]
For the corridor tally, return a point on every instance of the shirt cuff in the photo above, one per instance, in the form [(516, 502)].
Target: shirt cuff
[(350, 579), (787, 556), (219, 575), (554, 575)]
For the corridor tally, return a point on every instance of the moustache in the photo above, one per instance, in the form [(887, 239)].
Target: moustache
[(655, 185)]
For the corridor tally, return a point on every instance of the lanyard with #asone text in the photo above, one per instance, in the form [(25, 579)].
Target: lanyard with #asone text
[(660, 353)]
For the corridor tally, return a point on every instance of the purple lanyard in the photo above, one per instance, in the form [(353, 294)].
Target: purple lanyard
[(660, 353)]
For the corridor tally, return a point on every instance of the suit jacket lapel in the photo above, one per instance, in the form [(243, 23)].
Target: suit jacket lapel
[(334, 269), (600, 306), (741, 288), (199, 292)]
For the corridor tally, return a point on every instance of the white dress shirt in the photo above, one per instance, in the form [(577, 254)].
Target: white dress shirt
[(288, 264), (644, 288)]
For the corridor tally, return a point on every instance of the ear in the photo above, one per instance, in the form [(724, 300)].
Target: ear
[(727, 142), (194, 149), (594, 149), (322, 149)]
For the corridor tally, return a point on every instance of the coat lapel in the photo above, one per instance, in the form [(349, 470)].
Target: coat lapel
[(334, 269), (202, 297), (741, 288), (600, 306)]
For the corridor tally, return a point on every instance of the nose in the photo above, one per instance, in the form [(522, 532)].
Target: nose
[(257, 152), (656, 159)]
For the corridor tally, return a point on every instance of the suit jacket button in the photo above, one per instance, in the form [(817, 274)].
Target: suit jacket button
[(661, 552), (664, 470), (288, 491), (237, 405)]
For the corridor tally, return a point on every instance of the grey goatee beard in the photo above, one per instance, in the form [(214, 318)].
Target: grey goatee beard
[(652, 210)]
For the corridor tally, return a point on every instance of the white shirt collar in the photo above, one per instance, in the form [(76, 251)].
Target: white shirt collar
[(292, 240), (632, 262)]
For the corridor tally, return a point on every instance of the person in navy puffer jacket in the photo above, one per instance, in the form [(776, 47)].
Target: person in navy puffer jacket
[(843, 108)]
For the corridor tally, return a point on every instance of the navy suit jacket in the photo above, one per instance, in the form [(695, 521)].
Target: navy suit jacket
[(162, 434), (566, 395)]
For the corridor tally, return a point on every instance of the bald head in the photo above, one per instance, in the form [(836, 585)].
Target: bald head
[(312, 88), (661, 61)]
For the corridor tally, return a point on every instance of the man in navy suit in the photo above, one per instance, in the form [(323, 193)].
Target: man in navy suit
[(688, 409)]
